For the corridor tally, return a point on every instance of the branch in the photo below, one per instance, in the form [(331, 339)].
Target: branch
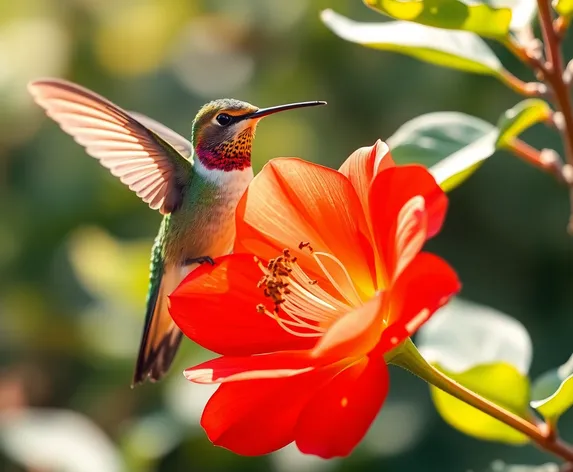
[(553, 71), (546, 159)]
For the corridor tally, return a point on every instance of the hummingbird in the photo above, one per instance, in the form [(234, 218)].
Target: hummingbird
[(196, 186)]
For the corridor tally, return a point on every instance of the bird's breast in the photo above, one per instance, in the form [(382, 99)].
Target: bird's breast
[(205, 224)]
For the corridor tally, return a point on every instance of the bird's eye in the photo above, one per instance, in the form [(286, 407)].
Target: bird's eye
[(223, 119)]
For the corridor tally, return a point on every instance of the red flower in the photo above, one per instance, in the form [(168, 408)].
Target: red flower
[(303, 331)]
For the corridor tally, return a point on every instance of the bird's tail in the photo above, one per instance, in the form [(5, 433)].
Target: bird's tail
[(161, 337)]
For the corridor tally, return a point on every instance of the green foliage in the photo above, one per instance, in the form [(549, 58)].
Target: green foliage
[(485, 351), (452, 144), (449, 14), (455, 49), (521, 117), (500, 383), (552, 392)]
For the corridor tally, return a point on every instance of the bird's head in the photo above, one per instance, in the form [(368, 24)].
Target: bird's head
[(223, 131)]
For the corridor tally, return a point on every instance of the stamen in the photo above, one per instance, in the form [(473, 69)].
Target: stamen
[(302, 308), (356, 300)]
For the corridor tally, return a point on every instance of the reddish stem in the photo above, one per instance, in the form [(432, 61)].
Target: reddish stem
[(553, 70), (536, 157)]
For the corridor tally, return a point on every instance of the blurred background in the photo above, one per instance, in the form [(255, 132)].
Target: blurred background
[(74, 243)]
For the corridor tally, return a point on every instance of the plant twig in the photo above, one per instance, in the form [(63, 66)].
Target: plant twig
[(553, 70), (529, 89), (546, 159)]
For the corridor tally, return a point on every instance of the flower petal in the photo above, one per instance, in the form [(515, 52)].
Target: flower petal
[(263, 366), (340, 413), (363, 165), (259, 416), (354, 334), (215, 306), (292, 201), (424, 286), (407, 207)]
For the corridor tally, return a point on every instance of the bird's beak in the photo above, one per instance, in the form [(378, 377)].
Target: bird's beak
[(261, 112)]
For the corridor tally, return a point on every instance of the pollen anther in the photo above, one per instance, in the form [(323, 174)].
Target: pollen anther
[(301, 306)]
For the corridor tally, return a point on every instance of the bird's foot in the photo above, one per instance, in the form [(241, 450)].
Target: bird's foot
[(199, 260)]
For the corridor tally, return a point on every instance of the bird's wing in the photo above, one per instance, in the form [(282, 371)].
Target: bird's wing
[(182, 145), (142, 159)]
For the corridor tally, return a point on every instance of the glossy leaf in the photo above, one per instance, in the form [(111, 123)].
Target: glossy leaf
[(500, 383), (478, 18), (463, 334), (455, 49), (486, 351), (552, 393), (563, 7), (521, 117), (453, 145)]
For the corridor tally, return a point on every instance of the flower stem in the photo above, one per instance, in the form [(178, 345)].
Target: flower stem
[(409, 358), (553, 70)]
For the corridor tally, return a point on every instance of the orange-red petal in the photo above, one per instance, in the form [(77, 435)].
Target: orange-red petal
[(263, 366), (338, 416), (256, 417), (424, 286), (292, 201), (363, 165), (355, 334), (407, 206), (215, 306)]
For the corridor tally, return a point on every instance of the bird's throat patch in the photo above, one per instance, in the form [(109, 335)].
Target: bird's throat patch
[(234, 154)]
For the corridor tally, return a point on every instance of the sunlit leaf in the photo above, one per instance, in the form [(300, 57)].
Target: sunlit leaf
[(486, 351), (522, 116), (456, 49), (58, 440), (452, 144), (110, 269), (479, 18), (464, 334), (552, 393), (563, 7), (500, 383)]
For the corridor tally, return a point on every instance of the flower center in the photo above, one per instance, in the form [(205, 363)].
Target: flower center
[(301, 306)]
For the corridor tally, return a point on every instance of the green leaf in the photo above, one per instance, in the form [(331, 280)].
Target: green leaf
[(464, 334), (522, 116), (453, 145), (552, 393), (478, 18), (500, 383), (456, 49), (563, 7), (487, 352)]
